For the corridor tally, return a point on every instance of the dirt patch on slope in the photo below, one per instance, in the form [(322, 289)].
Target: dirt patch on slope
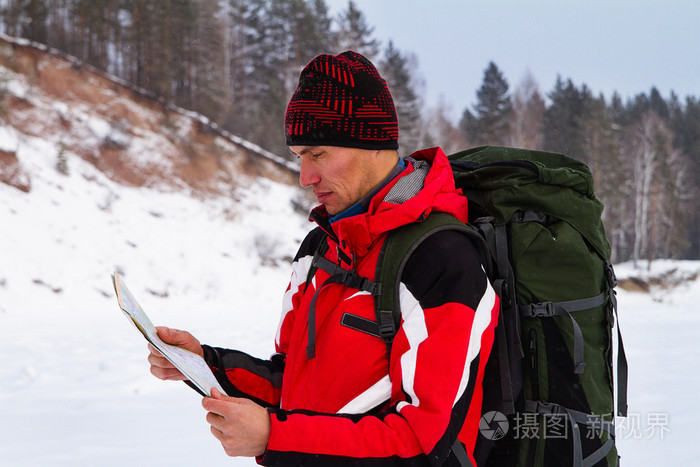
[(131, 136)]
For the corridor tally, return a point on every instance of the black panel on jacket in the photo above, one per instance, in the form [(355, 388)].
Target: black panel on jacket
[(450, 258), (310, 244)]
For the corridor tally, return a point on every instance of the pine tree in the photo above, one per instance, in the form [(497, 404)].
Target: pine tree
[(35, 27), (197, 49), (58, 24), (565, 119), (323, 38), (469, 127), (25, 18), (141, 35), (616, 111), (240, 46), (95, 24), (491, 122), (658, 105), (355, 34), (400, 75), (286, 37), (604, 158)]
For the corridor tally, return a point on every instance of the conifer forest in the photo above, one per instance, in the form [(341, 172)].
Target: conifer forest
[(237, 62)]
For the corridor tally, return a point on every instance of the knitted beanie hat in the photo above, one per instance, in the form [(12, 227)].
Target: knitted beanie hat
[(342, 101)]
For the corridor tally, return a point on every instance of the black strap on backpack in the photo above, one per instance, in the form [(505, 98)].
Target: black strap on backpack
[(576, 418), (338, 275), (507, 345)]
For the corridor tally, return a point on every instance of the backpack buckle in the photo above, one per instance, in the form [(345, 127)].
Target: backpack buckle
[(541, 310), (354, 280)]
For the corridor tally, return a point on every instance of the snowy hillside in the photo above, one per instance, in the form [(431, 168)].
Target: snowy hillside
[(74, 382), (173, 205)]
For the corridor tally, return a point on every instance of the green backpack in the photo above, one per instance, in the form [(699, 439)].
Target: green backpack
[(556, 284), (548, 385)]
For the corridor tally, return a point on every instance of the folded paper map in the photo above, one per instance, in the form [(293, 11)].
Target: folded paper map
[(190, 364)]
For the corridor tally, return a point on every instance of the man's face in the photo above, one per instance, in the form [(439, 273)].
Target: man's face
[(338, 176)]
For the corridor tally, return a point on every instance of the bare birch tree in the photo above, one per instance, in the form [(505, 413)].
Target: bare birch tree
[(528, 111), (658, 182)]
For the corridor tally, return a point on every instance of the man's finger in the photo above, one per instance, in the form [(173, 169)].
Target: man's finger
[(168, 335), (180, 339), (221, 405), (167, 373), (217, 422), (174, 336), (218, 434), (213, 405), (159, 361), (154, 351)]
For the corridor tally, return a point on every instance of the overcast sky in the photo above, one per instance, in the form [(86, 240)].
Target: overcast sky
[(623, 45)]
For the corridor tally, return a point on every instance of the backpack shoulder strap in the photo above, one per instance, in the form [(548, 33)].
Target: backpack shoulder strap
[(395, 253)]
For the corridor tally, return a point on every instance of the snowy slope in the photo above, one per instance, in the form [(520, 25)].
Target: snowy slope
[(75, 384)]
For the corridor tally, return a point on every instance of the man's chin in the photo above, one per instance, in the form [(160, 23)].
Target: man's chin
[(332, 210)]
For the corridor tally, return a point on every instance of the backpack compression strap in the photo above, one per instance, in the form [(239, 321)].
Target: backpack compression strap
[(549, 309), (574, 417)]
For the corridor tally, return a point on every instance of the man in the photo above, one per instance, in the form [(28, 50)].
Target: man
[(330, 395)]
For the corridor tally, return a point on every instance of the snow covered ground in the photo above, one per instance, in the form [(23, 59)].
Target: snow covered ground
[(661, 332), (74, 382)]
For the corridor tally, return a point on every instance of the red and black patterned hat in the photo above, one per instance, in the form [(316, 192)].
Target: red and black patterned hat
[(342, 101)]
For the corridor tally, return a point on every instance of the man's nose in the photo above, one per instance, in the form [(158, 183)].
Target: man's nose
[(307, 174)]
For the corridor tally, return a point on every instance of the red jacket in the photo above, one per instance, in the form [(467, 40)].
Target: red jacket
[(348, 404)]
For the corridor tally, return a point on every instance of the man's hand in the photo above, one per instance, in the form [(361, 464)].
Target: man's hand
[(160, 366), (241, 425)]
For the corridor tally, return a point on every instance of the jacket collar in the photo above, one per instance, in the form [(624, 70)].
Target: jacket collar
[(363, 205), (355, 235)]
